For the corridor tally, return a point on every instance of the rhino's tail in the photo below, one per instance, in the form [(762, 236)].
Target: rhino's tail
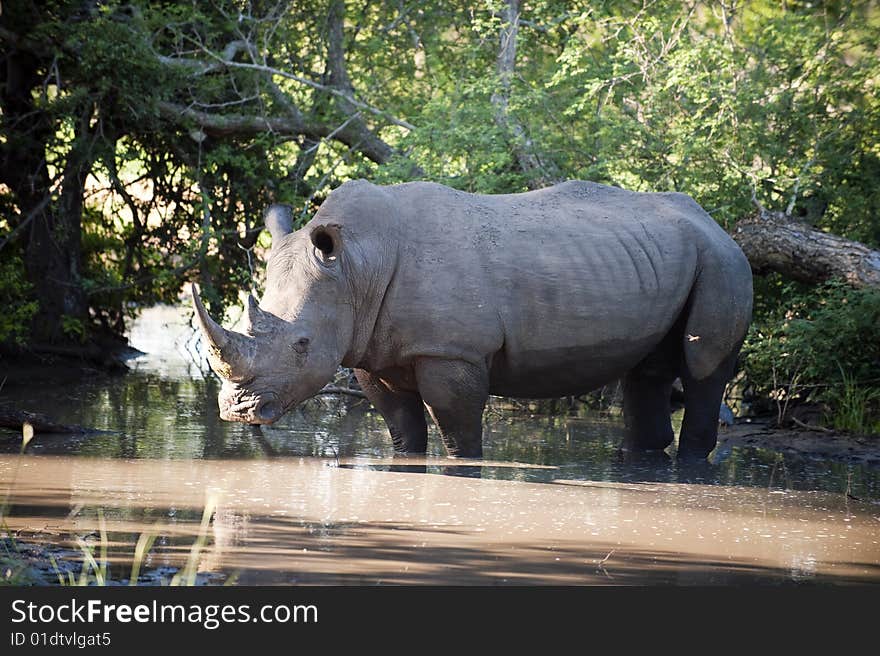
[(719, 313)]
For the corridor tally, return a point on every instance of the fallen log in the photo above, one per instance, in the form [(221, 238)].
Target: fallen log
[(16, 419), (773, 241)]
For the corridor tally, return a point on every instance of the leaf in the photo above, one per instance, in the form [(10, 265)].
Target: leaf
[(27, 434)]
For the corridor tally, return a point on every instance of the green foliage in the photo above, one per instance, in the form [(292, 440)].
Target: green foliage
[(73, 327), (14, 568), (855, 407), (771, 102), (460, 146), (17, 303), (822, 345)]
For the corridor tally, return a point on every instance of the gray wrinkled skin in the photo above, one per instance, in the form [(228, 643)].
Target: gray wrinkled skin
[(438, 298)]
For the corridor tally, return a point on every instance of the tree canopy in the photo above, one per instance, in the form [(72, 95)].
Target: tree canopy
[(140, 141)]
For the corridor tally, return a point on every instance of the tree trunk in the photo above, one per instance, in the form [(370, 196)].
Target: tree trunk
[(54, 251), (50, 227), (773, 241), (541, 173)]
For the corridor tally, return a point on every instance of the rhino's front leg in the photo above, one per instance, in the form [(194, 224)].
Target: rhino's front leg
[(455, 393), (402, 410)]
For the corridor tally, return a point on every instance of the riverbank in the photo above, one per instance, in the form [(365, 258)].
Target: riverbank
[(28, 559), (813, 444)]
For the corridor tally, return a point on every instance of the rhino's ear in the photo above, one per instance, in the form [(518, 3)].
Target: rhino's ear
[(327, 241), (279, 221)]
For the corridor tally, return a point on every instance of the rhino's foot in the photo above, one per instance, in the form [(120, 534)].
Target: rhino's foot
[(456, 452), (696, 452)]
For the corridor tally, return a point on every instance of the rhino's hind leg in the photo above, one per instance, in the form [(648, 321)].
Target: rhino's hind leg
[(717, 322), (402, 410), (702, 404), (455, 393), (646, 391), (646, 411)]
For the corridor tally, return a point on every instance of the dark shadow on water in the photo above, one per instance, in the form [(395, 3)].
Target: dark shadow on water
[(389, 549), (401, 469), (277, 550), (465, 471), (405, 464)]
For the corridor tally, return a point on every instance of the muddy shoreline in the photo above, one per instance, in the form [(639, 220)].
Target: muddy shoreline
[(25, 561), (805, 443)]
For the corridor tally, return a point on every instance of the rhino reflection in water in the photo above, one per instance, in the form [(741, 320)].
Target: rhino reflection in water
[(438, 298)]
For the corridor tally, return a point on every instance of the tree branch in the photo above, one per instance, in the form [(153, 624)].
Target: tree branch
[(275, 72), (353, 132), (333, 389), (24, 223), (228, 125)]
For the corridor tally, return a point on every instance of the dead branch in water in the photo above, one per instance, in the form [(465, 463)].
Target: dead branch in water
[(810, 427), (15, 419), (333, 389)]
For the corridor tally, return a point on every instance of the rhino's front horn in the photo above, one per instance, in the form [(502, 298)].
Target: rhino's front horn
[(228, 352)]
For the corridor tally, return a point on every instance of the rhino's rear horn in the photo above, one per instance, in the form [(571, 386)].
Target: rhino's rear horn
[(228, 352), (257, 318), (279, 221)]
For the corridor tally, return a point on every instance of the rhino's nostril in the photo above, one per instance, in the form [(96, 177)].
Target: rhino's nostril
[(269, 411)]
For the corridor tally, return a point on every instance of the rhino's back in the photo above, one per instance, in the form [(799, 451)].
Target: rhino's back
[(561, 289)]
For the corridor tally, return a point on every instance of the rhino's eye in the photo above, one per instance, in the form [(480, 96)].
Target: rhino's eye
[(301, 345)]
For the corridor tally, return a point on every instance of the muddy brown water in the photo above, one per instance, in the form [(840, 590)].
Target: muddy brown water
[(319, 498)]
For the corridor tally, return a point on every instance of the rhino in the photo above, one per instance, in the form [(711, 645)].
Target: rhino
[(438, 298)]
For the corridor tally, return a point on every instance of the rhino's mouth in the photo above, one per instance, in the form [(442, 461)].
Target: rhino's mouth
[(253, 409), (269, 411)]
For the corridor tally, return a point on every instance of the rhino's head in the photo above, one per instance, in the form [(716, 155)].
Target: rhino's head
[(296, 337)]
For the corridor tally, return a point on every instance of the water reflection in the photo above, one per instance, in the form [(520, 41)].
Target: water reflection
[(149, 416)]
